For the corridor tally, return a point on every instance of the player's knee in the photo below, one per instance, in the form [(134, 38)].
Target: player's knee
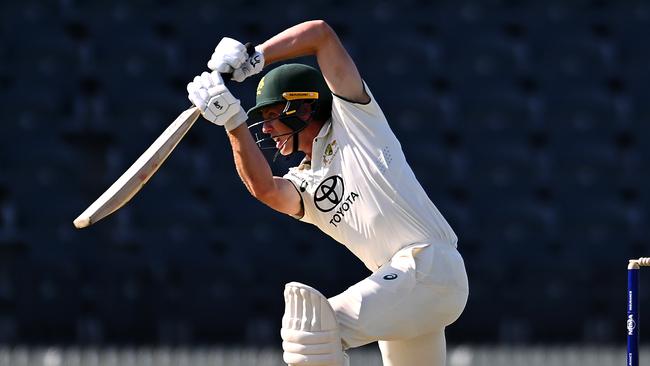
[(310, 332)]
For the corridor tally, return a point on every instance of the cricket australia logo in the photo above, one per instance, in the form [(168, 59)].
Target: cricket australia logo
[(329, 193), (330, 152)]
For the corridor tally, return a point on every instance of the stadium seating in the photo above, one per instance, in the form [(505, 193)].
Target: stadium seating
[(528, 124)]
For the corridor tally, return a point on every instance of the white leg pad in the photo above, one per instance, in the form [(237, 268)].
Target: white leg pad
[(310, 331)]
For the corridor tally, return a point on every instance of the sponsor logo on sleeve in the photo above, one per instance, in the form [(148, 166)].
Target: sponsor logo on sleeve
[(303, 185)]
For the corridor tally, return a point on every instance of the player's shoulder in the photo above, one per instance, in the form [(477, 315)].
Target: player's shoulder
[(358, 117), (299, 171), (364, 99)]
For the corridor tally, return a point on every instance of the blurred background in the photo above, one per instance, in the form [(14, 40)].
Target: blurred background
[(527, 122)]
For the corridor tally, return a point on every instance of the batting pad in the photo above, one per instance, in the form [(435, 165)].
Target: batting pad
[(310, 331)]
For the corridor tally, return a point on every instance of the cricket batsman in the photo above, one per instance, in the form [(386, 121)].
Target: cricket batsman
[(355, 185)]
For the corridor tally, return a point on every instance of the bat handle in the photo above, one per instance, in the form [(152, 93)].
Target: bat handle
[(250, 49)]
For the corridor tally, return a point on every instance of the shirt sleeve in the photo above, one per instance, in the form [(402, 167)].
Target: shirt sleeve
[(294, 177), (352, 112), (365, 123), (359, 118)]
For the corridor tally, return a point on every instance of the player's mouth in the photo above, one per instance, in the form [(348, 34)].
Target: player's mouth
[(280, 141)]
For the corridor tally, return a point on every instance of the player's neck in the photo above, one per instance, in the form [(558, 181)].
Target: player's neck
[(307, 137)]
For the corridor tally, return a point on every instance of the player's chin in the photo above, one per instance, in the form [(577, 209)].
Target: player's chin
[(287, 147), (286, 150)]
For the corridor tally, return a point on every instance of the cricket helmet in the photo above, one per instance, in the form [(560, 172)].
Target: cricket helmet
[(293, 85)]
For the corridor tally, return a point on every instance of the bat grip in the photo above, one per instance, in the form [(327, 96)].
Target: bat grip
[(250, 49)]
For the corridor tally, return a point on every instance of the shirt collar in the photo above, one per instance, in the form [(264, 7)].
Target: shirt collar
[(324, 130), (322, 133)]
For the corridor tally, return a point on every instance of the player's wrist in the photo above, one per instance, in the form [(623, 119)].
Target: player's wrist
[(237, 120)]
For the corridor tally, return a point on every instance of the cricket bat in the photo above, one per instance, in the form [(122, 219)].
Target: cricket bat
[(126, 186)]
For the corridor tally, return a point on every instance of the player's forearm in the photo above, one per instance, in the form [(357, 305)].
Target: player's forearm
[(300, 40), (251, 165), (317, 38)]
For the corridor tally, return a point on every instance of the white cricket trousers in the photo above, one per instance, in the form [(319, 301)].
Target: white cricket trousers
[(406, 305)]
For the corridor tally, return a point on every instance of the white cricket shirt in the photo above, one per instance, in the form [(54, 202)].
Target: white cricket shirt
[(360, 190)]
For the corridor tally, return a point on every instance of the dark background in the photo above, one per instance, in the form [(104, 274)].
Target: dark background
[(527, 122)]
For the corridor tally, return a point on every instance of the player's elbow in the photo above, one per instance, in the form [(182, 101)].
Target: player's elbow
[(263, 192), (269, 198), (323, 30), (259, 192)]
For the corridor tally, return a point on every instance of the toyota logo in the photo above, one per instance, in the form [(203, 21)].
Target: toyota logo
[(329, 193)]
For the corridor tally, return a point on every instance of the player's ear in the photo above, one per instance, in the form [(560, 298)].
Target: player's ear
[(306, 110)]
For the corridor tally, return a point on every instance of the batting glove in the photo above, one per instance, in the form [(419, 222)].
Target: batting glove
[(230, 56), (217, 104)]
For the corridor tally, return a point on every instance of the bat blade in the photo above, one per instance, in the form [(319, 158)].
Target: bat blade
[(127, 185)]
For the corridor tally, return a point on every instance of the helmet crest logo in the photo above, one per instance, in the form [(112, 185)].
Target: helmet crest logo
[(260, 86)]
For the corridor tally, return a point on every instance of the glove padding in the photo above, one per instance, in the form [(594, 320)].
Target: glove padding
[(217, 104), (231, 56)]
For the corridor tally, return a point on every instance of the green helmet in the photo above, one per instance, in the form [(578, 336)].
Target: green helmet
[(293, 85), (292, 82)]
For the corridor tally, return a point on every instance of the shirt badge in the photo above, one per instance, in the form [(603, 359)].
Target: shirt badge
[(330, 152)]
